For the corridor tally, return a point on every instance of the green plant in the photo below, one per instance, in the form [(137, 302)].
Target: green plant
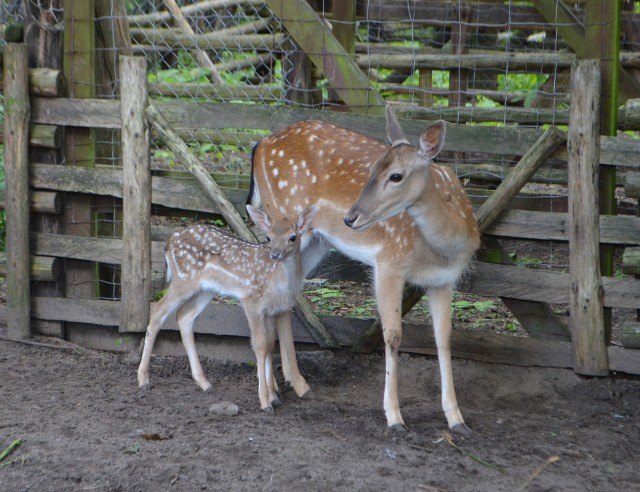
[(326, 299)]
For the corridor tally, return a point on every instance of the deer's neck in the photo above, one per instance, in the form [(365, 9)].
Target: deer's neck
[(442, 227)]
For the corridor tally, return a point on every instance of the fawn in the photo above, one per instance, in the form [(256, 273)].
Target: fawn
[(204, 261)]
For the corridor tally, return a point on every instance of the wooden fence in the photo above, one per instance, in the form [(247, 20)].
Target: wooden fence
[(526, 291)]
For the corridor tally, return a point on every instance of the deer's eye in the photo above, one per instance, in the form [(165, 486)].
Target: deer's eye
[(268, 239), (292, 238), (396, 177)]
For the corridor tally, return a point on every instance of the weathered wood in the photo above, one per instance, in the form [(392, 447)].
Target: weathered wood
[(16, 130), (631, 261), (196, 8), (92, 311), (184, 193), (40, 202), (216, 91), (102, 250), (328, 55), (210, 41), (537, 318), (79, 148), (509, 140), (585, 302), (211, 188), (229, 320), (632, 184), (631, 335), (44, 82), (201, 56), (43, 136), (136, 196), (42, 268), (537, 155)]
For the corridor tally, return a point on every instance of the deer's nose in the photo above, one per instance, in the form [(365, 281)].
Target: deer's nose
[(350, 219)]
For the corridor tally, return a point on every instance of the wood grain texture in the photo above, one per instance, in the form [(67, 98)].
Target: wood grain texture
[(16, 151), (586, 290)]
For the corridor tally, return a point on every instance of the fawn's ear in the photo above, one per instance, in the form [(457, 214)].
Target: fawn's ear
[(260, 219), (305, 219)]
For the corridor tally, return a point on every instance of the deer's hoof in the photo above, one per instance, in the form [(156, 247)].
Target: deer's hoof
[(399, 428), (308, 395), (268, 409), (461, 429)]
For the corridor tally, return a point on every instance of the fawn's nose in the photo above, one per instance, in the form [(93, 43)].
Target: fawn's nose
[(276, 255)]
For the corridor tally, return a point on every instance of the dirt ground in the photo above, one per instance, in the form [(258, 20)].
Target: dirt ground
[(85, 425)]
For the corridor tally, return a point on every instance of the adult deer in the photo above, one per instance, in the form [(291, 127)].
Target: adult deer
[(388, 206), (204, 261)]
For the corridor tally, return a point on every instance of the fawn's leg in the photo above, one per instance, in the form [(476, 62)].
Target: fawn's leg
[(288, 354), (260, 348), (159, 313), (186, 316)]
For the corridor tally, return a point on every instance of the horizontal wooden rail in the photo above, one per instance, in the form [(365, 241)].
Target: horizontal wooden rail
[(44, 82), (229, 320), (508, 140), (41, 202), (183, 193), (42, 268), (486, 279)]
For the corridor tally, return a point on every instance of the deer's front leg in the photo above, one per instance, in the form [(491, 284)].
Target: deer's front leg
[(440, 306), (389, 296), (260, 343), (288, 354)]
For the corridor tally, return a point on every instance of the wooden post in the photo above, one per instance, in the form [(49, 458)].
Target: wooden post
[(136, 196), (16, 152), (583, 148), (79, 147)]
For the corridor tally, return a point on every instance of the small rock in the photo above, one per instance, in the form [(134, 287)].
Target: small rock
[(223, 409)]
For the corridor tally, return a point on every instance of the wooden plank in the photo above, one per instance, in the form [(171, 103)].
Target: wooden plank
[(184, 193), (136, 196), (537, 155), (585, 300), (507, 140), (16, 161), (102, 250), (92, 311), (229, 320), (42, 268), (328, 55)]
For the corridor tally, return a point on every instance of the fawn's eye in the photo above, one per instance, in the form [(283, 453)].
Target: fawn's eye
[(268, 239), (396, 177), (292, 238)]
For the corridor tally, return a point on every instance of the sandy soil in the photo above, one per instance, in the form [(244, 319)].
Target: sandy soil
[(85, 425)]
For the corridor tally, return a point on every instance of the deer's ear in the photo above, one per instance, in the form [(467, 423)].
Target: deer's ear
[(432, 140), (260, 219), (395, 135), (305, 219)]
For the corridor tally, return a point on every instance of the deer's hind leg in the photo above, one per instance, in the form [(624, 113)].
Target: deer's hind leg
[(159, 313), (186, 316)]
